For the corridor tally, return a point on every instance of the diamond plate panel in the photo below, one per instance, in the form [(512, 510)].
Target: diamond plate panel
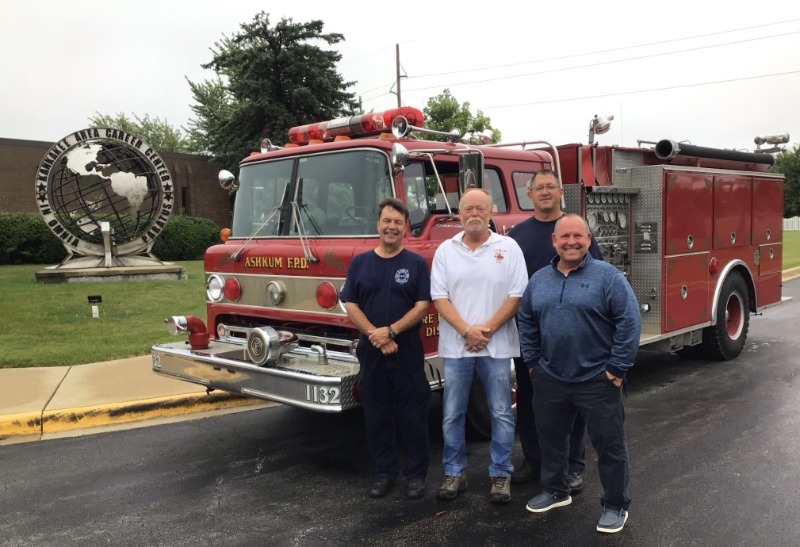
[(646, 271)]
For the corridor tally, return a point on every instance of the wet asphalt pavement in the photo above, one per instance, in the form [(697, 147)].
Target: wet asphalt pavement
[(715, 451)]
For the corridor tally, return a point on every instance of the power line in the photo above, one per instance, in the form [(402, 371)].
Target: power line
[(621, 48), (601, 63), (589, 65), (667, 88)]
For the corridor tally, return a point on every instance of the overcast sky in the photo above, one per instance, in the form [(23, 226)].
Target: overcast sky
[(714, 73)]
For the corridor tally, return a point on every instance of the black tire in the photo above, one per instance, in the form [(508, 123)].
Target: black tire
[(725, 340)]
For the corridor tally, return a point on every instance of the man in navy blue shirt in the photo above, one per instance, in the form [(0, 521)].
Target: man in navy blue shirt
[(535, 238), (386, 295)]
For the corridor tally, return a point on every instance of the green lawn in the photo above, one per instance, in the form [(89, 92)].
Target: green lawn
[(791, 249), (52, 324)]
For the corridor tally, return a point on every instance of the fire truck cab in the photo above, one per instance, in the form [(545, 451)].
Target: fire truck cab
[(697, 232)]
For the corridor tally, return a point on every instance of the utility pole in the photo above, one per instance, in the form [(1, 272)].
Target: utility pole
[(397, 63)]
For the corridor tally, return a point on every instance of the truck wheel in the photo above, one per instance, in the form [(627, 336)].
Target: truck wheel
[(725, 340)]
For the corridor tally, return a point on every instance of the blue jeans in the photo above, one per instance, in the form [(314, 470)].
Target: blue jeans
[(495, 375)]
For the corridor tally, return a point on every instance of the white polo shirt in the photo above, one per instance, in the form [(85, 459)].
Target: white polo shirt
[(477, 283)]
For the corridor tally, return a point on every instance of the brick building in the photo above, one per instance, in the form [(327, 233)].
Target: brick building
[(197, 191)]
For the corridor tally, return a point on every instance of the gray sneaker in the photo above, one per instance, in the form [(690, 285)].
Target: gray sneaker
[(501, 489), (575, 482), (612, 520), (547, 500), (452, 486)]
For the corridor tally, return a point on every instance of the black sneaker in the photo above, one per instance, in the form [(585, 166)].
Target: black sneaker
[(548, 500), (416, 488), (525, 473), (382, 485), (575, 482)]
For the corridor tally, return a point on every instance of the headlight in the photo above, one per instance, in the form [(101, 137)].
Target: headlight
[(276, 292), (214, 286)]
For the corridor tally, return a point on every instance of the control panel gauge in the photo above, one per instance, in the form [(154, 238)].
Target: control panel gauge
[(612, 216), (592, 221), (622, 218)]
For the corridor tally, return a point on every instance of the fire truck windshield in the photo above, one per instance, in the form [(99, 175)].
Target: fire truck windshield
[(322, 195)]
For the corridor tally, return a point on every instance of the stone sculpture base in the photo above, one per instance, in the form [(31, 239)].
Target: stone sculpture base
[(53, 274)]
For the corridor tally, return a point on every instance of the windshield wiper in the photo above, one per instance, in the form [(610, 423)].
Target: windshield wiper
[(238, 252), (301, 233)]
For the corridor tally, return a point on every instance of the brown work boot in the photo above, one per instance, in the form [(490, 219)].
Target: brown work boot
[(452, 486), (501, 489)]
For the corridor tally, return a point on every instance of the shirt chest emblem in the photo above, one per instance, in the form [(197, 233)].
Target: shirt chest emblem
[(402, 276)]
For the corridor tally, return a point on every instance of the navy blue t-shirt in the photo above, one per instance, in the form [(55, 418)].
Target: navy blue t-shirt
[(386, 288), (535, 238)]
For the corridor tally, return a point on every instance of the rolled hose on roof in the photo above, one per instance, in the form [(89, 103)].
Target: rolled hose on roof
[(666, 150)]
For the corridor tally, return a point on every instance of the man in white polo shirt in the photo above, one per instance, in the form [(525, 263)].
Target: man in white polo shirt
[(477, 280)]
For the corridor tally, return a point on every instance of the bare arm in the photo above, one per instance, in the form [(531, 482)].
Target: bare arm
[(358, 317), (380, 335), (473, 337), (502, 316)]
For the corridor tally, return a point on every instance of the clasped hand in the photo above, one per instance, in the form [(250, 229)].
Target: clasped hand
[(379, 338), (477, 338)]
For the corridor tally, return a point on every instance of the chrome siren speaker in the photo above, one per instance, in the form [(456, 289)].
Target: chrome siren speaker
[(263, 345)]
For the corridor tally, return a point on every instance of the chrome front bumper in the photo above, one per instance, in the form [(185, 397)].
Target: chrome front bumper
[(301, 378)]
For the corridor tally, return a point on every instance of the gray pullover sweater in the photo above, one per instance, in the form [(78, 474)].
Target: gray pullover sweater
[(579, 325)]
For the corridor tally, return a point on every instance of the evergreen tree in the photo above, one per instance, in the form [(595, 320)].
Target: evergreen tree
[(269, 78)]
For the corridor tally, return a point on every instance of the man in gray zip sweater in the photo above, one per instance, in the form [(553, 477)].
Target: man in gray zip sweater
[(579, 327)]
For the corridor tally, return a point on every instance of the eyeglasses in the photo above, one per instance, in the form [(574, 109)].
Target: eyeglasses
[(543, 187)]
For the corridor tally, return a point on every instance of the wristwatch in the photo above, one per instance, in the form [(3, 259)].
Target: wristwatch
[(392, 334)]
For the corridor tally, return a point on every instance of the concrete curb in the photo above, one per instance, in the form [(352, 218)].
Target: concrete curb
[(791, 273), (49, 421)]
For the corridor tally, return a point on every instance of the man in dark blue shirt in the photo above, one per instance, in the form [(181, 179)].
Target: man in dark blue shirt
[(386, 295), (579, 324), (535, 238)]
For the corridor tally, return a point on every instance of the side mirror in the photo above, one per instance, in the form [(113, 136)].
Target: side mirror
[(227, 180), (399, 157), (470, 171)]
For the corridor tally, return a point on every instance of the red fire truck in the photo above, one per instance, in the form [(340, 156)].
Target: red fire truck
[(697, 231)]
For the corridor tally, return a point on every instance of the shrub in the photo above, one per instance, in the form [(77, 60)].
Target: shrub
[(185, 238), (26, 239)]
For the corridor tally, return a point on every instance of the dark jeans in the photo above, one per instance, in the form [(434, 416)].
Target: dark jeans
[(526, 426), (395, 393), (555, 404)]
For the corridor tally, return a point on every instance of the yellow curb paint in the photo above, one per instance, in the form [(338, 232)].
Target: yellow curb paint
[(78, 418), (790, 274), (29, 423)]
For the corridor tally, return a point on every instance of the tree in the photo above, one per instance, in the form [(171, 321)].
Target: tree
[(155, 132), (268, 80), (788, 163), (443, 113)]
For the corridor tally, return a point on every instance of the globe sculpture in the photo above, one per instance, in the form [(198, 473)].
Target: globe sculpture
[(106, 194)]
